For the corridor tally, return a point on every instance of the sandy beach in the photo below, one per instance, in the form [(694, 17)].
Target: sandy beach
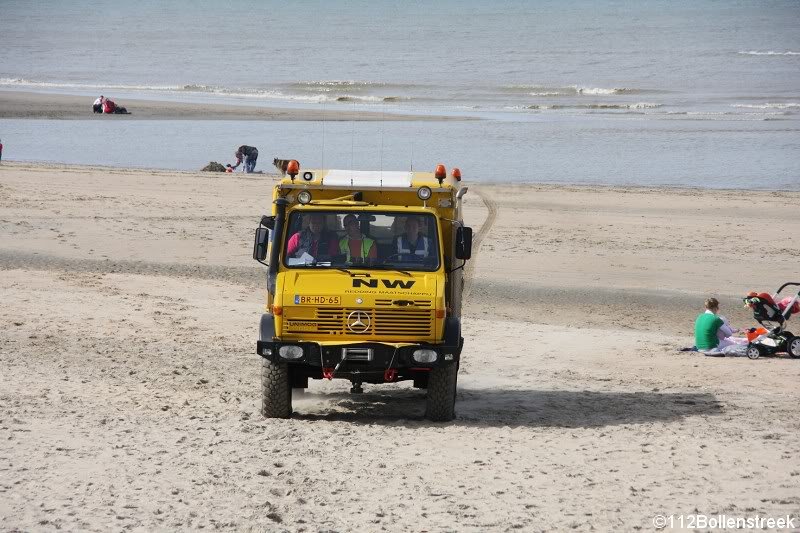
[(21, 104), (129, 384)]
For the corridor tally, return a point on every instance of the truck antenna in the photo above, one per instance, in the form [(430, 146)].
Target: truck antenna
[(383, 116), (322, 163), (353, 143)]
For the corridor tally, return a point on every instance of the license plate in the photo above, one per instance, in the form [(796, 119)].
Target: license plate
[(317, 300)]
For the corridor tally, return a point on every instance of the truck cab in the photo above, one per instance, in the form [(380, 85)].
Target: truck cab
[(365, 271)]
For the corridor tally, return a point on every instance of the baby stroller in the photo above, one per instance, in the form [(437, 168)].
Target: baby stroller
[(773, 317)]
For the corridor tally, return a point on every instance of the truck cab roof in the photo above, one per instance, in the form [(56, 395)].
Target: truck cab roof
[(368, 179)]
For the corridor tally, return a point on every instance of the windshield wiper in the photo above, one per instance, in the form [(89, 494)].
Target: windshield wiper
[(398, 270)]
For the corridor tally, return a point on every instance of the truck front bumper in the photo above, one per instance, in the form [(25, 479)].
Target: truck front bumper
[(367, 355), (361, 356)]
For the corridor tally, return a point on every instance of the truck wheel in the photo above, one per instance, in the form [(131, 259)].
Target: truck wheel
[(276, 392), (441, 403)]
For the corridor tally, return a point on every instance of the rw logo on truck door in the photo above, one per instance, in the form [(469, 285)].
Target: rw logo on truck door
[(388, 283)]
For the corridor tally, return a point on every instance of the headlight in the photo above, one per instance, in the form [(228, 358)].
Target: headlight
[(291, 352), (424, 193), (424, 356), (304, 197)]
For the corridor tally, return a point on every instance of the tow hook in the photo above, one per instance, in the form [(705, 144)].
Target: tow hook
[(327, 373), (390, 374)]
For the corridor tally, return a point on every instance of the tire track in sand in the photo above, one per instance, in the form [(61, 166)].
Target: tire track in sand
[(477, 240)]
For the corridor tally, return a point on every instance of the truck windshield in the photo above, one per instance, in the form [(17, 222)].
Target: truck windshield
[(369, 239)]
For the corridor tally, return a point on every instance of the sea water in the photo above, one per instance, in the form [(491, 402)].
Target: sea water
[(695, 93)]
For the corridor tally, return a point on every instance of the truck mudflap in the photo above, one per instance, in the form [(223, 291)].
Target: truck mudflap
[(361, 355)]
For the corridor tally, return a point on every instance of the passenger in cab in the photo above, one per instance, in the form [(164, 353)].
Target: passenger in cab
[(315, 240), (412, 244), (356, 246)]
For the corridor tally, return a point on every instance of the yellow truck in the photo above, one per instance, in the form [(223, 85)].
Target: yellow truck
[(365, 271)]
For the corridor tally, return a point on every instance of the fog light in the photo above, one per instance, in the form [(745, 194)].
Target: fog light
[(291, 352), (266, 351), (448, 357), (424, 356)]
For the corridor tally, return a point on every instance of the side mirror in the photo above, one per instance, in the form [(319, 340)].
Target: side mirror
[(260, 245), (463, 242), (268, 222)]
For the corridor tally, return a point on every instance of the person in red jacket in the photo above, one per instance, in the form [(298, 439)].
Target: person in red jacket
[(315, 240), (1, 151), (109, 106)]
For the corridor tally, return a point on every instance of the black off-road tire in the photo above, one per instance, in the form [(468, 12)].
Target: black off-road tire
[(276, 390), (441, 401)]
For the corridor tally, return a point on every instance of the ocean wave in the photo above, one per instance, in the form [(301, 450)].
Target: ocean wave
[(237, 92), (788, 105), (351, 98), (596, 91), (570, 90), (768, 53), (22, 82), (338, 83), (327, 86), (638, 105)]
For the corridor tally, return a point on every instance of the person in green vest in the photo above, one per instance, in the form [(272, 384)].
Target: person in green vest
[(710, 330), (355, 245)]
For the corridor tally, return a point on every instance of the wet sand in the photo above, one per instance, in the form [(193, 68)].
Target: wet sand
[(18, 104), (129, 390)]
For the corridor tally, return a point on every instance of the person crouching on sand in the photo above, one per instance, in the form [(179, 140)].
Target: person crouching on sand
[(97, 106), (249, 154)]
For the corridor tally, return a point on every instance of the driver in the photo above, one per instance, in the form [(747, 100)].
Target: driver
[(355, 245), (412, 244), (315, 240)]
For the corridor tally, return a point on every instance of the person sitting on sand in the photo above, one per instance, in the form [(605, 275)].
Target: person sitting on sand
[(249, 154), (97, 106), (315, 240), (712, 331), (355, 245), (109, 108)]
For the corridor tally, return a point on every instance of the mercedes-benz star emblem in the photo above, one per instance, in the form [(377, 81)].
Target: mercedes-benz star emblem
[(358, 322)]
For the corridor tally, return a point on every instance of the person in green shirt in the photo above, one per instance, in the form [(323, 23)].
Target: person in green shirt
[(357, 247), (710, 330)]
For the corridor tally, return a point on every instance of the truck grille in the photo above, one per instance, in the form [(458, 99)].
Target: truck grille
[(424, 304), (409, 321)]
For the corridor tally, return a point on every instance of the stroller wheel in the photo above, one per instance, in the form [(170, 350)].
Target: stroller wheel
[(793, 346), (754, 351)]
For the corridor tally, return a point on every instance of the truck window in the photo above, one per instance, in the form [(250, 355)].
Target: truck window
[(373, 239)]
